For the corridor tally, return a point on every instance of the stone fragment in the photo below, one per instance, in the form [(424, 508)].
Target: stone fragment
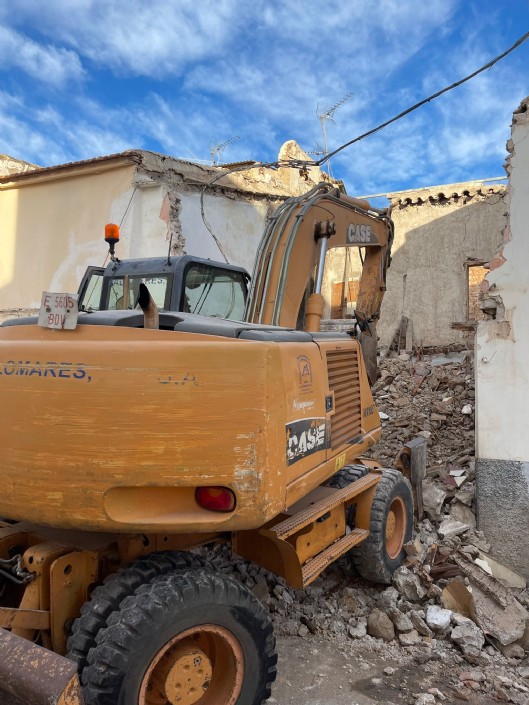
[(513, 651), (349, 600), (409, 584), (467, 409), (359, 631), (380, 626), (303, 630), (389, 671), (400, 620), (419, 624), (388, 598), (505, 623), (438, 618), (473, 675), (437, 693), (260, 589), (469, 637), (466, 495), (433, 498), (409, 638), (463, 514), (424, 699), (450, 527)]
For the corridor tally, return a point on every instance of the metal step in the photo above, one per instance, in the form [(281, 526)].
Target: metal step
[(316, 565), (298, 521)]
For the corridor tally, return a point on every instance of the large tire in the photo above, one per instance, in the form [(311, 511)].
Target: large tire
[(343, 478), (391, 526), (348, 474), (108, 597), (197, 638)]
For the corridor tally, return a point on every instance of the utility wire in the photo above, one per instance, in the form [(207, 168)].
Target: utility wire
[(426, 100), (303, 165)]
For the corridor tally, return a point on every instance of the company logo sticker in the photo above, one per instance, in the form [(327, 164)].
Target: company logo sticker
[(305, 437)]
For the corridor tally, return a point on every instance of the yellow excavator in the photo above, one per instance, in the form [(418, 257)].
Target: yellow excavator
[(131, 437)]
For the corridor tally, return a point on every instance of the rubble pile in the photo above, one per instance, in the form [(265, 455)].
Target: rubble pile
[(451, 608), (429, 396)]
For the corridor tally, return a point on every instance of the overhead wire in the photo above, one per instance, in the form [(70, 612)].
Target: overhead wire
[(303, 165)]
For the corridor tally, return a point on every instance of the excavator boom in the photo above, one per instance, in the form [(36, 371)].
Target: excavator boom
[(293, 249)]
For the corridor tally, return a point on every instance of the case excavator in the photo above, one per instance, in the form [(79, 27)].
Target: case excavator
[(133, 437)]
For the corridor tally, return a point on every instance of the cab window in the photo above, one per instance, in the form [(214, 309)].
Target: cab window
[(157, 284), (211, 291)]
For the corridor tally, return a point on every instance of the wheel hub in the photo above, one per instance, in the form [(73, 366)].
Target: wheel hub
[(202, 666), (395, 527), (185, 675)]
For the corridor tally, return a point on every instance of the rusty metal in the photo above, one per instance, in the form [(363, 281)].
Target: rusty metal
[(71, 576), (24, 619), (313, 568), (202, 664), (411, 461), (338, 497), (36, 676), (151, 315)]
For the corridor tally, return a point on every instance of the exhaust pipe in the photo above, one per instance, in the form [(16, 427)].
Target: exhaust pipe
[(151, 317), (35, 675)]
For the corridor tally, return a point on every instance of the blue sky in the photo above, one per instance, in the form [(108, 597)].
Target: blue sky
[(84, 78)]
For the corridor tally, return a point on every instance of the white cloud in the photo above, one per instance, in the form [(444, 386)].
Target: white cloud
[(134, 37), (45, 63)]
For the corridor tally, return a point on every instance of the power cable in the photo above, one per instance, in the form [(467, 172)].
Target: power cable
[(303, 165), (426, 100)]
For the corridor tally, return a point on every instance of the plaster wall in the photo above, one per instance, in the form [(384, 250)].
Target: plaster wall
[(238, 225), (436, 232), (427, 280), (502, 374), (53, 228), (53, 220)]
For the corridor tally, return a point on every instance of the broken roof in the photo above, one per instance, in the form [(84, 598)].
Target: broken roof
[(460, 192)]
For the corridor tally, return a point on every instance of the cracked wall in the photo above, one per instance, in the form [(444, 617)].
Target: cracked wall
[(502, 372), (53, 219), (438, 231)]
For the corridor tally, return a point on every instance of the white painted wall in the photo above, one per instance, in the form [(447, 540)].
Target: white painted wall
[(237, 224), (502, 346)]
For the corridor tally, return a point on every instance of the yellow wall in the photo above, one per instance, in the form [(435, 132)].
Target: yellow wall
[(51, 228)]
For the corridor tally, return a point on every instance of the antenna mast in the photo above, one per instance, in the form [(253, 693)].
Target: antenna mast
[(217, 150), (329, 115)]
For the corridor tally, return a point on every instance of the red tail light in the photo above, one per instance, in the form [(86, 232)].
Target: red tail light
[(216, 499)]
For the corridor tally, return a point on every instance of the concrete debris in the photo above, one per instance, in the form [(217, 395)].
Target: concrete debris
[(433, 498), (451, 527), (469, 637), (438, 618), (380, 626), (424, 699), (463, 514), (409, 584), (505, 575), (409, 638), (465, 628)]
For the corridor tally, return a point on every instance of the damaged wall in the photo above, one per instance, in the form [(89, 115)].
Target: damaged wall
[(502, 373), (10, 165), (438, 231), (53, 219)]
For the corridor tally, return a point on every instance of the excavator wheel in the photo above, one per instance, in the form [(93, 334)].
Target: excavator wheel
[(108, 597), (391, 526), (343, 478), (193, 638)]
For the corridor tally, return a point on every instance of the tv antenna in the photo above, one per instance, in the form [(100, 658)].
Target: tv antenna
[(329, 115), (217, 150)]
